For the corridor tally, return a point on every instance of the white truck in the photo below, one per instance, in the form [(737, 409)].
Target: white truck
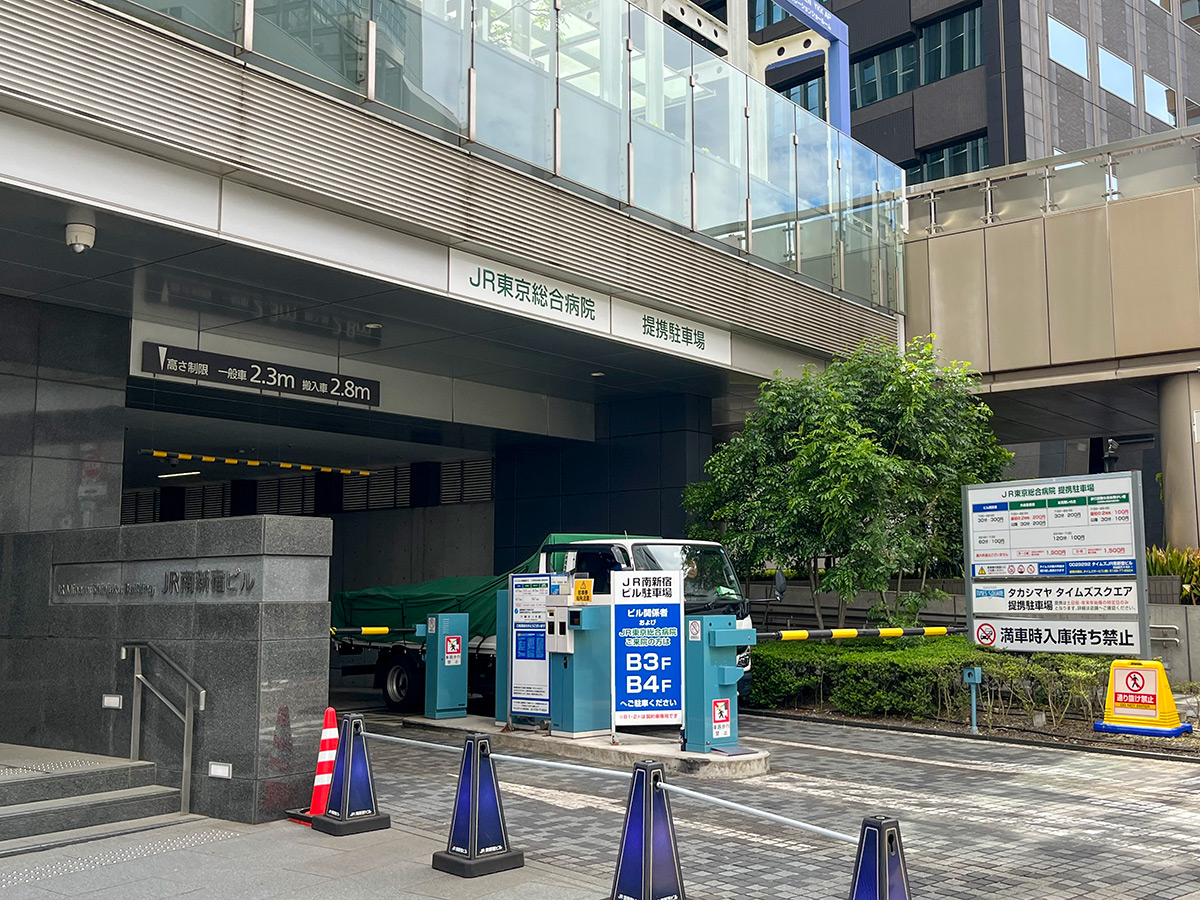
[(710, 587)]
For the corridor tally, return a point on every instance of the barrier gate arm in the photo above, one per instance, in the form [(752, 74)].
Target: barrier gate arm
[(813, 634)]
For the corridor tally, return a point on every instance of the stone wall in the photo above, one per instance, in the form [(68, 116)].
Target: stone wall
[(240, 604), (62, 416)]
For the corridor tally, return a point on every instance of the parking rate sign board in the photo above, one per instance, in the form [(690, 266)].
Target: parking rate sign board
[(529, 665), (1057, 564), (1058, 527), (647, 648)]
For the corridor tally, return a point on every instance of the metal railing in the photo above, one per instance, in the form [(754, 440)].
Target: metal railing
[(625, 776), (194, 697), (1078, 180)]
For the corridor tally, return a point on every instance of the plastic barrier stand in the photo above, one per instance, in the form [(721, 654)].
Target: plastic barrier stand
[(1140, 701)]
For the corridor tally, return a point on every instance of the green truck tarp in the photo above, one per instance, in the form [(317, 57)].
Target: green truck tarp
[(403, 606)]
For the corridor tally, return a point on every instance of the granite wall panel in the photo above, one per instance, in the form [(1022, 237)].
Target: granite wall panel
[(69, 601)]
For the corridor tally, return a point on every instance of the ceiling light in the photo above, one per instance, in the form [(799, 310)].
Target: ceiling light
[(373, 326), (177, 474), (597, 374)]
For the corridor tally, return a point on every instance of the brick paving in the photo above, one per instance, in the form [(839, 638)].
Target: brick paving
[(978, 820)]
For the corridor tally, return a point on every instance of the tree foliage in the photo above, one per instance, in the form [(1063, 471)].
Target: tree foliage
[(852, 474)]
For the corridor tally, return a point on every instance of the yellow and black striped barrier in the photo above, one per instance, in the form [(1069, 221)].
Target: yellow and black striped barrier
[(821, 633), (370, 631)]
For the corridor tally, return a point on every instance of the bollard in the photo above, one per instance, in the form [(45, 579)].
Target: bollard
[(880, 872), (352, 808), (973, 675), (478, 843), (648, 858)]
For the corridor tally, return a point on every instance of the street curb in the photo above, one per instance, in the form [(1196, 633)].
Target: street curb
[(1023, 742)]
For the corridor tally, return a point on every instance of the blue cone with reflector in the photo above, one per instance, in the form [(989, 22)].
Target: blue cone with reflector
[(648, 861), (478, 843), (880, 872), (352, 806)]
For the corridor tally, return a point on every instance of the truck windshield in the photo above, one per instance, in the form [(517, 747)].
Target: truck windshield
[(708, 576)]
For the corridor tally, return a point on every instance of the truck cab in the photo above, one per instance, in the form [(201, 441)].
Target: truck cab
[(710, 586)]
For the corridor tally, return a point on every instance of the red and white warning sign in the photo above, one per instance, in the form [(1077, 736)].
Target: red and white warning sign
[(1135, 692), (693, 629), (453, 650), (720, 723), (985, 634)]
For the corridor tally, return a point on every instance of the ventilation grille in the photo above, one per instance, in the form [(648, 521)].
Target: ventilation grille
[(139, 507), (467, 481)]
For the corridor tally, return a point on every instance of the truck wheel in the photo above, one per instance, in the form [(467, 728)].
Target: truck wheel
[(403, 684)]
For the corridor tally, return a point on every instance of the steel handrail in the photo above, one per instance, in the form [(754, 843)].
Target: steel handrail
[(192, 689)]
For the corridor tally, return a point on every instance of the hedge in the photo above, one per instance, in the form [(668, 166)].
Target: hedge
[(921, 678)]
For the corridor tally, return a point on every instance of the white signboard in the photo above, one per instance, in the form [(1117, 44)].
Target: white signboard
[(529, 661), (1057, 565), (647, 662), (557, 302), (1022, 597), (1059, 527), (527, 293), (1059, 635), (670, 333)]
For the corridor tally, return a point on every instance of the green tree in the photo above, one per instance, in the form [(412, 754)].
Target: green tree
[(852, 474)]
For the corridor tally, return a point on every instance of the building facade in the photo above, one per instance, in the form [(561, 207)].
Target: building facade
[(450, 276), (944, 88)]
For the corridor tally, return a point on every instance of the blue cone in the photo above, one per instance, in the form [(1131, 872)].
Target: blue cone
[(352, 807), (880, 872), (478, 843), (648, 863)]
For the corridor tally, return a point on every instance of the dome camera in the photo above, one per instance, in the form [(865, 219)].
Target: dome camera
[(80, 237)]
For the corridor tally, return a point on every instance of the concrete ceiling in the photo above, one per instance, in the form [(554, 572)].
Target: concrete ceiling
[(148, 271), (1098, 409)]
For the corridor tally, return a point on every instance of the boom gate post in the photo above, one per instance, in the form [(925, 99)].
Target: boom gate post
[(446, 665), (712, 674)]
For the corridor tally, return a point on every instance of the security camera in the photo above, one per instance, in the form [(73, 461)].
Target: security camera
[(80, 238)]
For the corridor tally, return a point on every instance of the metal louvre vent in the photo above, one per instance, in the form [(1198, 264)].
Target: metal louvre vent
[(139, 507), (268, 498), (451, 482), (381, 493), (467, 481), (354, 492), (206, 501), (403, 487), (476, 480)]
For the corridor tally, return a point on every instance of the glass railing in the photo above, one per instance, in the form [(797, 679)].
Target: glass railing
[(1086, 178), (605, 97)]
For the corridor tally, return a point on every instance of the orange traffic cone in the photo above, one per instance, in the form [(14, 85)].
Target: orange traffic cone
[(325, 759)]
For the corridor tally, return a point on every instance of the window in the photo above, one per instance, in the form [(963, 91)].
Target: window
[(952, 45), (764, 13), (883, 75), (810, 95), (941, 49), (1192, 111), (966, 156), (1116, 76), (1160, 99), (1068, 47)]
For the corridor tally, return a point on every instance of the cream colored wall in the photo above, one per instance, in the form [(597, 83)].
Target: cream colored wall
[(1109, 283)]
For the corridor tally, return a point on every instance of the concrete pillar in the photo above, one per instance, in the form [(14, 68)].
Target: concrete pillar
[(1178, 407)]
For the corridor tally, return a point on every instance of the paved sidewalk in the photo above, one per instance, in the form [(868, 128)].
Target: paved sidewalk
[(231, 861), (979, 820)]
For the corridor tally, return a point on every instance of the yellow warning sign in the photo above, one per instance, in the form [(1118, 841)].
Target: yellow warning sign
[(583, 590), (1140, 701)]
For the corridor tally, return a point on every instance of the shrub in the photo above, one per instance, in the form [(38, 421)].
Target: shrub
[(1183, 562), (921, 678)]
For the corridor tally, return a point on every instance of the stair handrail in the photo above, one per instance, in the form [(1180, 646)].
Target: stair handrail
[(192, 692)]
